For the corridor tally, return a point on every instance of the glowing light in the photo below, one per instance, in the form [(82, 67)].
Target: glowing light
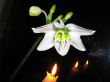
[(76, 65), (75, 68), (51, 77), (87, 62), (54, 69)]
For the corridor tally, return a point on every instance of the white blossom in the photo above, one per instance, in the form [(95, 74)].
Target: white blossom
[(62, 36)]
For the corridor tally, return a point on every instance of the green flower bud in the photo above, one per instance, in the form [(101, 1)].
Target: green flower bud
[(52, 10), (68, 15), (34, 11), (60, 16)]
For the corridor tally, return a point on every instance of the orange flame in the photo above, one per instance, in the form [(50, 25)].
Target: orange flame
[(76, 65), (54, 69)]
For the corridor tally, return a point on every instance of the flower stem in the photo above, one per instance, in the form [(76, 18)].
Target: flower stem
[(44, 13), (24, 59), (46, 16)]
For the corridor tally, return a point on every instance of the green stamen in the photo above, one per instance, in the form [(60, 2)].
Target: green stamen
[(62, 34), (66, 36)]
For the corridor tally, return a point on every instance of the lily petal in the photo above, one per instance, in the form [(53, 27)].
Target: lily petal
[(57, 25), (80, 30), (47, 42), (76, 42), (43, 29), (62, 48)]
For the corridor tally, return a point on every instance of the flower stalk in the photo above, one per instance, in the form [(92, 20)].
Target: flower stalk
[(25, 58)]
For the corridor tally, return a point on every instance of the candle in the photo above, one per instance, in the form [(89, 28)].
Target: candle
[(51, 76), (73, 72), (75, 67), (86, 64)]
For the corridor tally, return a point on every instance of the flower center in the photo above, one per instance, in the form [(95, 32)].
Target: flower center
[(62, 34)]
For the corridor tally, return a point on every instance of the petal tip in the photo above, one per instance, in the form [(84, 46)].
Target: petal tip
[(83, 49), (39, 49), (35, 30), (62, 54), (94, 31)]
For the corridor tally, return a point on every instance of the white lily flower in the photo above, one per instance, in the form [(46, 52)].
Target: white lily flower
[(62, 36)]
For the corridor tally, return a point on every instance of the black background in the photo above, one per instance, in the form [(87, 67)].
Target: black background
[(18, 38)]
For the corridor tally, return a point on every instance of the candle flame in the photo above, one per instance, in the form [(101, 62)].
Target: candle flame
[(87, 62), (76, 65), (54, 69)]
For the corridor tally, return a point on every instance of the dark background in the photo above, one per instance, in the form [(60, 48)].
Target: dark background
[(16, 37)]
